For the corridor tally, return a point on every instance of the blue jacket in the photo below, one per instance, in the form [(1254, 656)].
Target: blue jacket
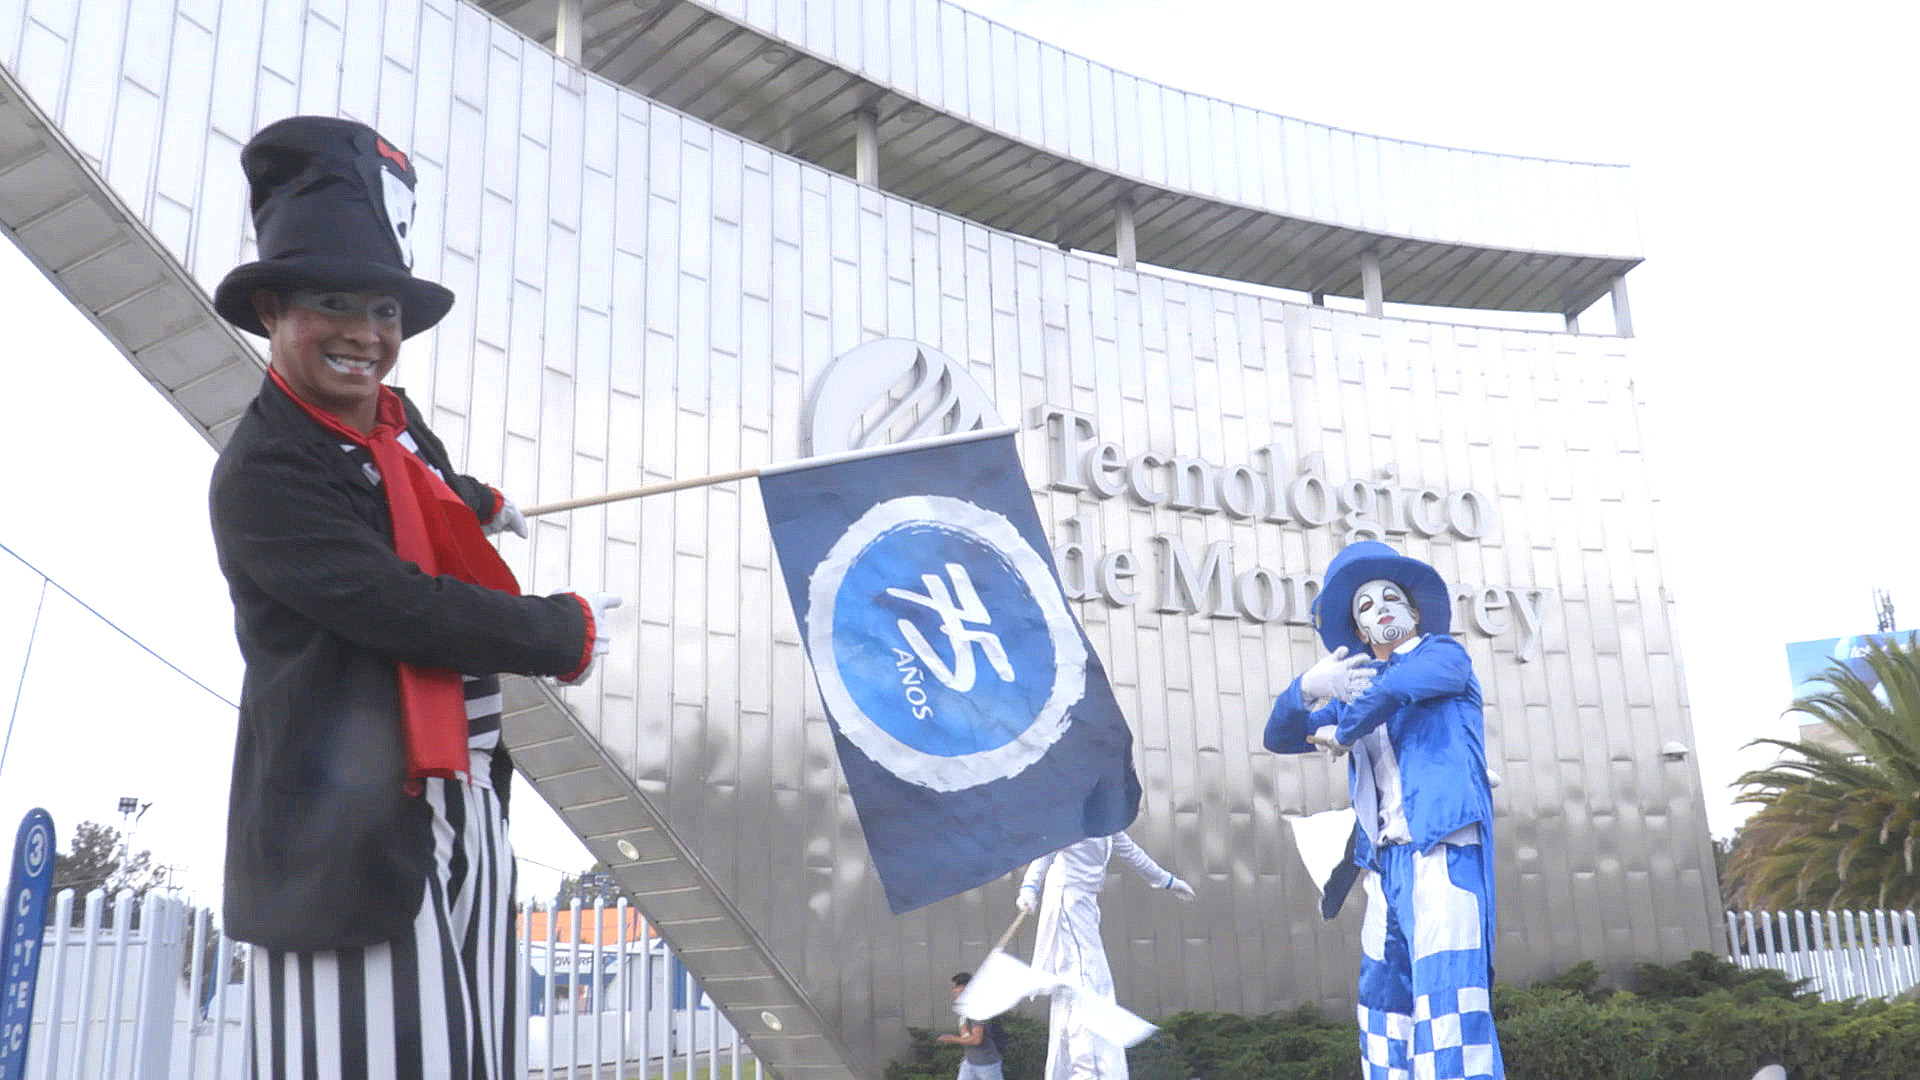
[(1430, 703)]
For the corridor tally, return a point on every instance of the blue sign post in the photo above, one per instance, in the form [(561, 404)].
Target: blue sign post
[(26, 915)]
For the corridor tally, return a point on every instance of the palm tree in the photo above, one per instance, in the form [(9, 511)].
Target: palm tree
[(1836, 825)]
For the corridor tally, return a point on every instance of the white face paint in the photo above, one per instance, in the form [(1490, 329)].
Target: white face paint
[(1383, 614)]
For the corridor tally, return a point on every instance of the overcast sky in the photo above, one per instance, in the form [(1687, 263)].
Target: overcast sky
[(1773, 165)]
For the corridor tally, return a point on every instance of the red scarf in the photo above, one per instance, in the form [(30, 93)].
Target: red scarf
[(436, 530)]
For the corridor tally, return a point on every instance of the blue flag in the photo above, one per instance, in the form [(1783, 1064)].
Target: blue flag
[(974, 723)]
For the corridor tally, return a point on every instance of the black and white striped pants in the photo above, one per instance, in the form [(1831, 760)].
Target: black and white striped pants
[(435, 1004)]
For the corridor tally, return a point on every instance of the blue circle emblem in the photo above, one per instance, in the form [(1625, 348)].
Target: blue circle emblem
[(942, 643)]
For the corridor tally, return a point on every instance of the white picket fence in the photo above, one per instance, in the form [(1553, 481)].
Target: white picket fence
[(144, 989), (1845, 954)]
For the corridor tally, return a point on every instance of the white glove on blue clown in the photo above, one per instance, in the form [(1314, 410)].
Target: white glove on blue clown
[(1028, 901), (1337, 676), (1330, 746)]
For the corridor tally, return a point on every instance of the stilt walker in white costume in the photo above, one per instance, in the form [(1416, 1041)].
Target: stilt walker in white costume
[(1064, 888), (1407, 706)]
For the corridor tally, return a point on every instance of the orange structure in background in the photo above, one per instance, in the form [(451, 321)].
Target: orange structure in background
[(545, 926)]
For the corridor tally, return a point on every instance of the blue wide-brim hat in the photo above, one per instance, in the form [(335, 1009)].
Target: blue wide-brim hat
[(332, 208), (1357, 564)]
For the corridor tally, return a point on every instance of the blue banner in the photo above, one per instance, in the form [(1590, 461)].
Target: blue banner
[(1808, 662), (25, 921), (974, 723)]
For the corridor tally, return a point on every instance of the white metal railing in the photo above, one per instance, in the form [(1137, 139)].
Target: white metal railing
[(148, 988), (1844, 954)]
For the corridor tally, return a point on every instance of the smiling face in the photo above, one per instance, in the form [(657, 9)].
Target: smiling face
[(1384, 616), (333, 347)]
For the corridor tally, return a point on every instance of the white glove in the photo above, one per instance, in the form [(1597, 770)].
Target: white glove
[(1330, 746), (600, 603), (509, 519), (1028, 901), (1337, 675), (1179, 888)]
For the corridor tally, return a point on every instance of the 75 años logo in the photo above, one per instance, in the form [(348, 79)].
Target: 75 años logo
[(942, 644)]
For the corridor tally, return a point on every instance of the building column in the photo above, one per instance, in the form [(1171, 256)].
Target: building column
[(1622, 313), (568, 28), (1125, 245), (1573, 321), (866, 147), (1370, 283)]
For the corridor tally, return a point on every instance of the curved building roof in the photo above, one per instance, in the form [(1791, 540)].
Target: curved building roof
[(993, 125)]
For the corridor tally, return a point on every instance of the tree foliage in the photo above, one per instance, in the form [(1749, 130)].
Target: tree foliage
[(1836, 826), (98, 858), (594, 881)]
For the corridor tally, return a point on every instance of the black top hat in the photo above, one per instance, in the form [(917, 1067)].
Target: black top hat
[(333, 208)]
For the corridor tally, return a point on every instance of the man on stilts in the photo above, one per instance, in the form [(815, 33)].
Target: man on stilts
[(367, 847), (1411, 718), (1064, 888)]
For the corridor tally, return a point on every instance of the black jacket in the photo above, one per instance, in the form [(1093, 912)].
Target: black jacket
[(324, 848)]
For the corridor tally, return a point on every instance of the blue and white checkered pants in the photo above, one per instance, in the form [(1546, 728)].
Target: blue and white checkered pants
[(1426, 966)]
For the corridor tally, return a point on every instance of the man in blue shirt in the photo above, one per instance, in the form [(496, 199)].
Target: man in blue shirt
[(1406, 705)]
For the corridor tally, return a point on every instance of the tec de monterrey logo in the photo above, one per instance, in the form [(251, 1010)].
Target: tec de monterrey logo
[(954, 660)]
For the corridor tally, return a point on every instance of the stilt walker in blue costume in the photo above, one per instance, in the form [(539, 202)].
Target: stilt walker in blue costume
[(1410, 715)]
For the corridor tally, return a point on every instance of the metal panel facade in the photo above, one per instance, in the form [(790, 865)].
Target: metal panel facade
[(958, 62), (643, 296)]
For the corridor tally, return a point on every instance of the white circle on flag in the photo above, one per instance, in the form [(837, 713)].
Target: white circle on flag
[(946, 772)]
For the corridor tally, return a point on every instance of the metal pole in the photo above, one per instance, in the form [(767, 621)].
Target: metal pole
[(194, 984), (1370, 287), (523, 987), (866, 147), (690, 997), (223, 957), (568, 30), (625, 938), (1125, 241), (57, 992), (246, 994), (1622, 311), (573, 991), (599, 961), (116, 983)]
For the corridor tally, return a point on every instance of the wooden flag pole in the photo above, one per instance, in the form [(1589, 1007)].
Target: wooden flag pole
[(1001, 945), (776, 467), (637, 493)]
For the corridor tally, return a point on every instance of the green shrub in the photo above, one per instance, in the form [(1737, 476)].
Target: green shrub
[(1703, 1018), (1549, 1033), (1300, 1045), (1703, 973)]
